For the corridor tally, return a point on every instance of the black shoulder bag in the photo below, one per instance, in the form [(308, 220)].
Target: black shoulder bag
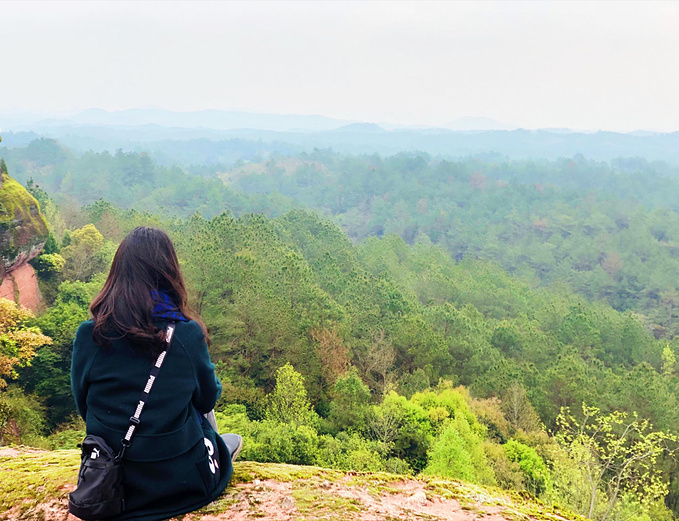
[(100, 493)]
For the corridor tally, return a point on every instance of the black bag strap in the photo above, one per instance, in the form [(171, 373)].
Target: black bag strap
[(134, 419)]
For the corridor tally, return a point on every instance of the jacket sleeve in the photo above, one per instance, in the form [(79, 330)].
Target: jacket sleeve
[(80, 366), (208, 387)]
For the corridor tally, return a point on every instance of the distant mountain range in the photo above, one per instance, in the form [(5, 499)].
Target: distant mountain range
[(209, 119), (214, 136), (221, 120)]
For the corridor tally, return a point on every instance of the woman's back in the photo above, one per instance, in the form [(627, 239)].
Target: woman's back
[(176, 462), (107, 382), (168, 469)]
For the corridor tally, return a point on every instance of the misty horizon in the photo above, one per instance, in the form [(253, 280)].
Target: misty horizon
[(583, 66), (22, 119)]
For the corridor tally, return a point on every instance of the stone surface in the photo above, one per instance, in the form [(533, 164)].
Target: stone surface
[(23, 232), (22, 282), (34, 486)]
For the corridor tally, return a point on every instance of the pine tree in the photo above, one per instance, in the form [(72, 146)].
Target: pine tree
[(288, 402), (669, 361)]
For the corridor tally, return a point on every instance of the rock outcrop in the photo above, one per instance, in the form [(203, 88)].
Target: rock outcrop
[(34, 486), (23, 232), (21, 285)]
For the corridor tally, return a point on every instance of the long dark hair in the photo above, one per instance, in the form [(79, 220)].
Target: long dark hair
[(145, 261)]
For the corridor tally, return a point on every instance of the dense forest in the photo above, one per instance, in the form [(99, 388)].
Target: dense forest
[(607, 230), (503, 322)]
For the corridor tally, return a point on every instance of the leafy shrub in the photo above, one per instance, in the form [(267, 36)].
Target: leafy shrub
[(18, 342), (630, 510), (48, 264), (350, 403), (397, 466), (489, 413), (507, 473), (68, 435), (288, 402), (350, 452), (22, 418), (404, 426), (458, 453), (571, 486), (238, 390), (274, 442), (233, 418), (84, 255), (455, 401), (536, 475)]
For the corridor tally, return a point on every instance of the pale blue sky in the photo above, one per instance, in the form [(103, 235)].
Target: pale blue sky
[(584, 65)]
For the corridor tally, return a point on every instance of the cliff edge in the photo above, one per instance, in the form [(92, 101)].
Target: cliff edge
[(23, 232), (34, 485)]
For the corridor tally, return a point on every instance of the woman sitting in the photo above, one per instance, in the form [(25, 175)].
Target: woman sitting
[(176, 461)]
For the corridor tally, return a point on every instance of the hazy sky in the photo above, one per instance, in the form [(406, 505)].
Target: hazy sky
[(584, 65)]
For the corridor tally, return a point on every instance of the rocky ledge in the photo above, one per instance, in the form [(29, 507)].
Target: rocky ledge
[(34, 485), (23, 232), (23, 229)]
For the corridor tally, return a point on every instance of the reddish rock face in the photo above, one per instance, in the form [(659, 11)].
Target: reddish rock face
[(23, 232), (22, 281)]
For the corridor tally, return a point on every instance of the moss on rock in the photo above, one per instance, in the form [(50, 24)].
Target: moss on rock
[(23, 229), (34, 485), (29, 477)]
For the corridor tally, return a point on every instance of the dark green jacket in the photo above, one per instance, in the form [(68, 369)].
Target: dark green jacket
[(167, 469)]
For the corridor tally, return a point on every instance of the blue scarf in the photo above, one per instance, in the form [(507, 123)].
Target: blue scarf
[(165, 308)]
